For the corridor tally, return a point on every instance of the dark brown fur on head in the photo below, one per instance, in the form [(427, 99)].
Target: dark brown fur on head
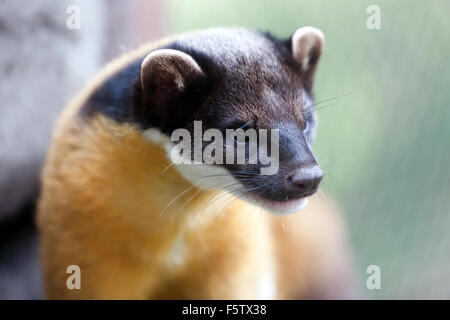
[(226, 78)]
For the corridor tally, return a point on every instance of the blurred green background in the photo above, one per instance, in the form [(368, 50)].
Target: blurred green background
[(383, 139)]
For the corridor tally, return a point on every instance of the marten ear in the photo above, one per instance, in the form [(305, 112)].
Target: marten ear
[(165, 73), (307, 45)]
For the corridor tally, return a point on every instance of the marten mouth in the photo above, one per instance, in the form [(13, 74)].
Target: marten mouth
[(284, 207), (279, 207)]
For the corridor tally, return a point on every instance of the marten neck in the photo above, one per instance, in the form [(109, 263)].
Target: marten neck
[(140, 182)]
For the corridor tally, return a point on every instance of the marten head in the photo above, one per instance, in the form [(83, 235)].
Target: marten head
[(207, 82)]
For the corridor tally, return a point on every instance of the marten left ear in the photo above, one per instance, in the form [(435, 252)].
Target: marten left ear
[(307, 45), (166, 73)]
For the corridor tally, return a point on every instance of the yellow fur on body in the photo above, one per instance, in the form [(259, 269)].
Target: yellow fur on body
[(113, 204)]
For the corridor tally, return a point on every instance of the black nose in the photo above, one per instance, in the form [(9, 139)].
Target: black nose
[(305, 181)]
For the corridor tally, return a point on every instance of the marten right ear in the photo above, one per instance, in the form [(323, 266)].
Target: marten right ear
[(165, 74), (307, 45)]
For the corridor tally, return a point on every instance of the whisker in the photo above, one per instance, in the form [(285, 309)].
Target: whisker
[(331, 98), (313, 106), (222, 193), (245, 124), (165, 169), (326, 106), (175, 199)]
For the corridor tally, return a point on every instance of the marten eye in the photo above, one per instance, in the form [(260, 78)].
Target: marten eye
[(239, 127)]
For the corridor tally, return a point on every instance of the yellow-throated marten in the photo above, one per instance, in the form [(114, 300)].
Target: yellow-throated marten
[(140, 226)]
